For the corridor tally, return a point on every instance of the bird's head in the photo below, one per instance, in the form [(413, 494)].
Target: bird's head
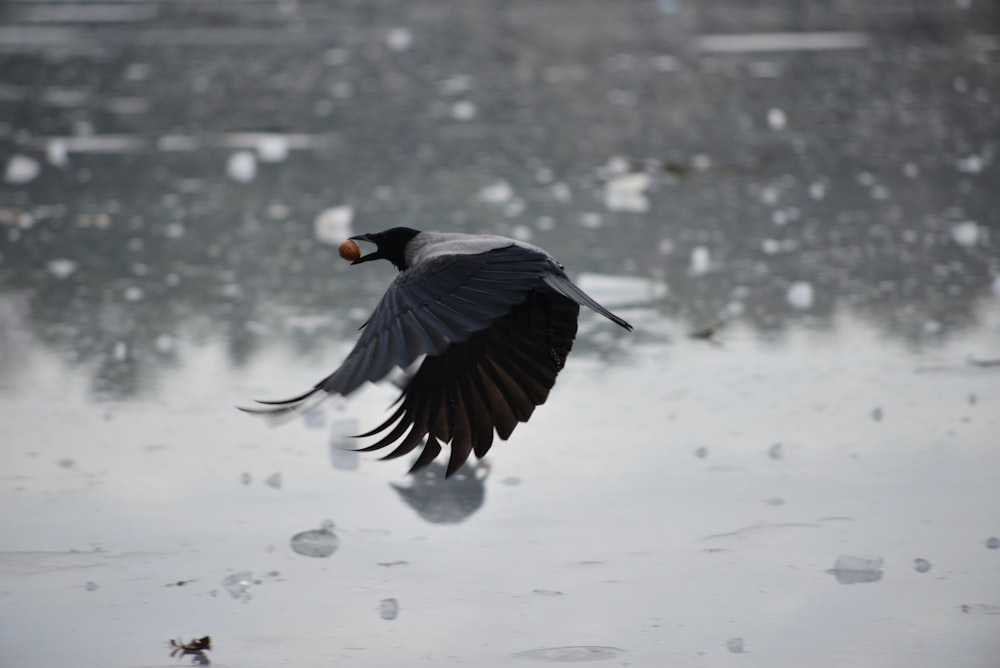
[(389, 245)]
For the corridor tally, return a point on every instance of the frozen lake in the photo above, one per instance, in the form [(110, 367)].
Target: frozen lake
[(816, 483)]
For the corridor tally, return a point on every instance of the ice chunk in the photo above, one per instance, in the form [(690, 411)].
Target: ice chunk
[(319, 543), (91, 586), (777, 119), (21, 169), (921, 565), (463, 110), (735, 645), (399, 39), (850, 569), (626, 192), (242, 166), (61, 267), (333, 225), (496, 193), (238, 585), (800, 295), (965, 234), (993, 542), (701, 261), (388, 608), (272, 148)]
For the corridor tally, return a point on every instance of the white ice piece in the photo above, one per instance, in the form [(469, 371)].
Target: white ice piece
[(800, 295), (333, 225), (21, 169), (242, 166)]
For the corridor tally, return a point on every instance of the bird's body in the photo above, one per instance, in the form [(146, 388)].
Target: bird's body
[(494, 319)]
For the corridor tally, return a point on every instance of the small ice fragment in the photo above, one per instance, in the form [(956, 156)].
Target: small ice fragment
[(911, 170), (132, 294), (561, 192), (388, 608), (61, 267), (800, 295), (877, 413), (463, 110), (626, 192), (272, 148), (246, 478), (333, 225), (735, 645), (242, 166), (319, 543), (238, 585), (992, 542), (496, 193), (965, 234), (775, 451), (57, 153), (21, 169), (701, 452), (274, 480), (173, 230), (120, 351), (972, 164), (817, 190), (701, 162), (164, 344), (399, 39), (91, 586), (777, 119), (591, 220), (855, 570), (701, 261), (921, 565)]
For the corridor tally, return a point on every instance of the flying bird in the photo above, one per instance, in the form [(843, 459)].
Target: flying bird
[(492, 317)]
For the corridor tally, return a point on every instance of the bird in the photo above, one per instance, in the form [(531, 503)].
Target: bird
[(493, 320)]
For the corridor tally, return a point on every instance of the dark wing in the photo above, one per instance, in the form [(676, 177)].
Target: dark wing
[(428, 308), (490, 381)]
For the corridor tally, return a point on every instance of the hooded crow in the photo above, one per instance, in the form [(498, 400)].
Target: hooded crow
[(493, 319)]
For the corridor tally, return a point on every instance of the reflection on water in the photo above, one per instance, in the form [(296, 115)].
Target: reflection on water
[(445, 501)]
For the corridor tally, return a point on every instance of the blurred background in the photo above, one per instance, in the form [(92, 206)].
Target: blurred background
[(808, 188)]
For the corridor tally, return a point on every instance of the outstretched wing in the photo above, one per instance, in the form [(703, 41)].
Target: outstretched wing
[(489, 382), (439, 303)]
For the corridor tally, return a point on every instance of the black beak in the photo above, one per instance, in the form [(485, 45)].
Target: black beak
[(371, 256)]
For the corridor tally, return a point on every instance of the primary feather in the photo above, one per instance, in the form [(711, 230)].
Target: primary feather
[(494, 320)]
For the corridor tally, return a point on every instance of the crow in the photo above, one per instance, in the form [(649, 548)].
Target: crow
[(492, 317)]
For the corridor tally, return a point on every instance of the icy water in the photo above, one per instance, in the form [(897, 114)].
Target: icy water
[(793, 459)]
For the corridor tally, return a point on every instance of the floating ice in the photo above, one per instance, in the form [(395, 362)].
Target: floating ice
[(333, 225), (238, 585), (496, 193), (701, 452), (992, 542), (132, 294), (735, 645), (319, 543), (591, 220), (388, 608), (800, 295), (572, 654), (61, 267), (777, 119), (242, 166), (561, 192), (272, 148), (21, 169), (399, 39), (626, 192), (972, 164), (57, 153), (817, 190), (164, 344), (701, 261), (965, 234), (856, 570), (621, 290), (120, 351), (921, 565), (464, 110)]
